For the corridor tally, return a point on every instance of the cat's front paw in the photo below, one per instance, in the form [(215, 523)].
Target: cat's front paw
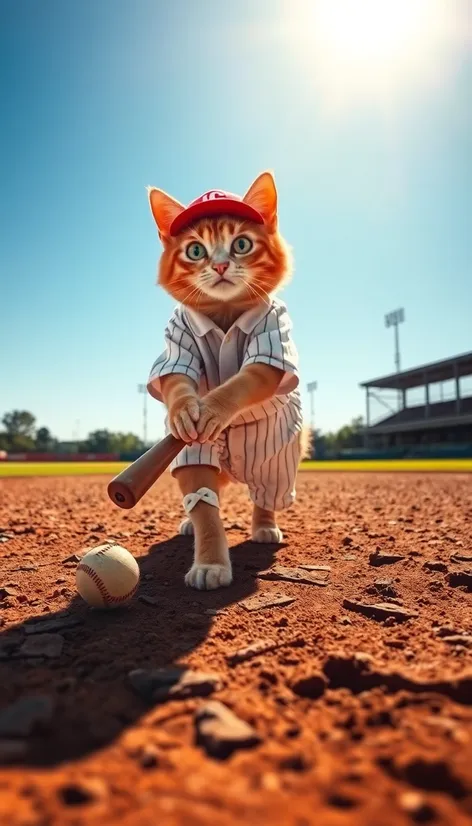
[(186, 528), (208, 577), (268, 535)]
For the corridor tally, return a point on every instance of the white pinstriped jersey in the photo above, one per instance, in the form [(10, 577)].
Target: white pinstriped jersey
[(261, 446)]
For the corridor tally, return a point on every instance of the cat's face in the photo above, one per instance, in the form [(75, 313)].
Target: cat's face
[(222, 260)]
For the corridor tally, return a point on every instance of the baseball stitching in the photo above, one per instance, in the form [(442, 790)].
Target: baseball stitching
[(108, 599)]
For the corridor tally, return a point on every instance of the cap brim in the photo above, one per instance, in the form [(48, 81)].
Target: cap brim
[(220, 206)]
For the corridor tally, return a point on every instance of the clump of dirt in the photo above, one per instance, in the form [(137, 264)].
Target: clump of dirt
[(316, 688)]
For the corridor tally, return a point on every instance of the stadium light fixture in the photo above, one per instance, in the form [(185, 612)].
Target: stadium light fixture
[(393, 319), (311, 387), (143, 389)]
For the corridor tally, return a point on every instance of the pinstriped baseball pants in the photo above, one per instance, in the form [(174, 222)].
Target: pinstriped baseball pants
[(263, 454)]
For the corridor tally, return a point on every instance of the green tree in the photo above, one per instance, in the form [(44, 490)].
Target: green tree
[(104, 441), (99, 441), (126, 443), (45, 441), (19, 430)]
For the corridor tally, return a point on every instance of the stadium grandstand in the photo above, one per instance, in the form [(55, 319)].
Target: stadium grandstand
[(433, 415)]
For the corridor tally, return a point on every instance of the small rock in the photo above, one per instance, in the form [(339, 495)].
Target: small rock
[(81, 792), (148, 600), (194, 620), (458, 639), (280, 572), (42, 645), (380, 610), (458, 578), (414, 804), (25, 715), (325, 568), (8, 592), (447, 631), (460, 557), (347, 541), (220, 732), (379, 558), (149, 757), (385, 587), (435, 565), (350, 558), (12, 750), (72, 558), (253, 650), (345, 620), (312, 686), (56, 624), (160, 684), (265, 600)]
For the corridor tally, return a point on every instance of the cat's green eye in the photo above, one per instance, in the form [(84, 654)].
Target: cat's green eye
[(195, 251), (241, 245)]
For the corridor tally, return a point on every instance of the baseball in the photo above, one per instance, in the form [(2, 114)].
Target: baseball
[(107, 576)]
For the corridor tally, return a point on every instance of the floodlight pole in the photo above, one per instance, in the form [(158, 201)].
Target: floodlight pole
[(311, 387), (393, 319), (143, 389)]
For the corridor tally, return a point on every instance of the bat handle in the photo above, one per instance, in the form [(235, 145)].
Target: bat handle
[(126, 489)]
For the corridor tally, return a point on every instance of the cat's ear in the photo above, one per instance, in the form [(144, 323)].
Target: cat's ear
[(164, 209), (262, 195)]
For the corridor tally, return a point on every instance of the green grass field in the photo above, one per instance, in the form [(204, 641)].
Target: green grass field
[(22, 469)]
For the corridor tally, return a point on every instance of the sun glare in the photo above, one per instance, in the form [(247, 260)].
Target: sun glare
[(373, 48)]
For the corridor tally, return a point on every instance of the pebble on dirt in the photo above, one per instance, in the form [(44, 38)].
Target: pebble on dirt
[(380, 610), (379, 558), (265, 600), (311, 685), (47, 625), (25, 715), (257, 647), (435, 565), (220, 732), (83, 791), (458, 578), (280, 572), (161, 684), (42, 645)]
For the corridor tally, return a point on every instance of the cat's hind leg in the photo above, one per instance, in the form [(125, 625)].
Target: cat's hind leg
[(264, 526)]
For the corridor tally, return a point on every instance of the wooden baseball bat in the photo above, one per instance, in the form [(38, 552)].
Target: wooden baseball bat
[(126, 489)]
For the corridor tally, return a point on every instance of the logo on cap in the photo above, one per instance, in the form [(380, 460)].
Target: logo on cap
[(213, 195)]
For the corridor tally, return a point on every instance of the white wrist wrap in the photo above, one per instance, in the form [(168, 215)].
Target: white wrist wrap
[(202, 494)]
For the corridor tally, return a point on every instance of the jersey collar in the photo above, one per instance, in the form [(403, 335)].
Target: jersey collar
[(200, 324)]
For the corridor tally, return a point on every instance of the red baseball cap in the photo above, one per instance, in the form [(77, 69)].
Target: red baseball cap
[(215, 202)]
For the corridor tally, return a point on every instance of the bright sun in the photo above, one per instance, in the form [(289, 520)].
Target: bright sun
[(373, 48)]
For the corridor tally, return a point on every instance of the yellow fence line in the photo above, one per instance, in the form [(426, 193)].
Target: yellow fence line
[(31, 469), (394, 465), (9, 469)]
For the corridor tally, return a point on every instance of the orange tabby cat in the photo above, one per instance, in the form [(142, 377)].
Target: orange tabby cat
[(228, 376)]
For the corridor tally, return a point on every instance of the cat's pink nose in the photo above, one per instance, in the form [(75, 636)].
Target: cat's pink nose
[(221, 268)]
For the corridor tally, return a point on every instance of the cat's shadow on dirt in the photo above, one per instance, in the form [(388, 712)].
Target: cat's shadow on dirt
[(88, 682)]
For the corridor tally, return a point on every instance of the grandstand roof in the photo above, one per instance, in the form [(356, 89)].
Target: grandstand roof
[(425, 374)]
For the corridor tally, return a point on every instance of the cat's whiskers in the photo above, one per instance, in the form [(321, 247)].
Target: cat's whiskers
[(259, 294)]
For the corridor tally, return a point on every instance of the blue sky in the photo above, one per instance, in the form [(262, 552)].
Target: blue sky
[(100, 99)]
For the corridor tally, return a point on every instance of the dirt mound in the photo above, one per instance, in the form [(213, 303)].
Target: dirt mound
[(330, 684)]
